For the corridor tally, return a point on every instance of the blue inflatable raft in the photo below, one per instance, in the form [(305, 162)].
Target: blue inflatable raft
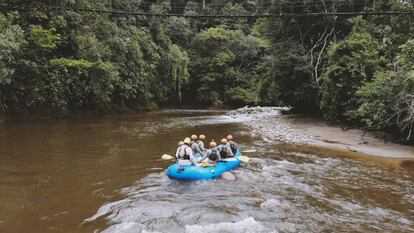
[(194, 172)]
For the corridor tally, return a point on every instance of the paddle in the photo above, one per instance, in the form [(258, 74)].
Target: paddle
[(167, 157), (243, 158)]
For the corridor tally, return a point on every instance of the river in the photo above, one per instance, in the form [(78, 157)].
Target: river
[(105, 175)]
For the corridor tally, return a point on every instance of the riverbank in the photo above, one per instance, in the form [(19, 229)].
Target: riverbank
[(308, 135)]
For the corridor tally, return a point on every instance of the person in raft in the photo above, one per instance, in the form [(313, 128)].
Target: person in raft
[(200, 143), (231, 143), (180, 143), (195, 146), (184, 154), (212, 155), (224, 150)]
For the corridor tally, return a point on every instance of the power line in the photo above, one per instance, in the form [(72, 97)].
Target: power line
[(136, 13)]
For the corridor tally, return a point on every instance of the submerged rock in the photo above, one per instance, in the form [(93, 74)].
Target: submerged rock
[(228, 176)]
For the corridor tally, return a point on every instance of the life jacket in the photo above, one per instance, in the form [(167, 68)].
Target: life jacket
[(199, 143), (233, 147), (213, 156), (223, 152), (183, 156), (195, 147)]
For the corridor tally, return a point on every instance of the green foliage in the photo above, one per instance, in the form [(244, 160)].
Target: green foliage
[(238, 23), (222, 60), (238, 96), (180, 32), (45, 39), (80, 84), (290, 82), (179, 61), (211, 59), (351, 62), (70, 63), (377, 99), (387, 101), (406, 57), (11, 42), (357, 69)]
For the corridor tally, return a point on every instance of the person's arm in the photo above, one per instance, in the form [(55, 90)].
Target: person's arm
[(177, 152), (205, 155), (235, 146), (218, 149), (202, 146), (197, 149), (190, 153), (229, 151)]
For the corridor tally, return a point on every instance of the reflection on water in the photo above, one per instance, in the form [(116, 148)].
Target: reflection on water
[(105, 174)]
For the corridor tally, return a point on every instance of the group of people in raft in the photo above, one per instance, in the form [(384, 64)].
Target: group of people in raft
[(192, 151)]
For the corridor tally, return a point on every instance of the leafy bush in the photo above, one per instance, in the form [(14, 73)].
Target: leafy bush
[(44, 39), (239, 97), (290, 82), (377, 100), (351, 63), (387, 101), (83, 83)]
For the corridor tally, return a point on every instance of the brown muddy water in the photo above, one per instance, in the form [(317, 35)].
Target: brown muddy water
[(105, 175)]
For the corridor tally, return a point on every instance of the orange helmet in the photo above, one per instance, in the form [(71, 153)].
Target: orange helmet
[(194, 137), (223, 141), (180, 143), (229, 137), (202, 137), (213, 144)]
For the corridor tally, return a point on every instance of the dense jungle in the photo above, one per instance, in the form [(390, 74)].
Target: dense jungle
[(57, 61)]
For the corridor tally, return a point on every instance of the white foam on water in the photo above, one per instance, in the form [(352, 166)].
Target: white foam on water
[(125, 227), (379, 213), (274, 203), (143, 213), (409, 198), (105, 209), (351, 207), (248, 225), (275, 192), (405, 221)]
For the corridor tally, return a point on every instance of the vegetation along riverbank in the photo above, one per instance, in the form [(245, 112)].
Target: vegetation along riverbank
[(56, 60)]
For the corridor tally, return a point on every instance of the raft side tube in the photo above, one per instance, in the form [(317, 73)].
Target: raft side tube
[(193, 172)]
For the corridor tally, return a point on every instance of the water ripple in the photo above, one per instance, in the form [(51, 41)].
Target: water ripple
[(277, 193)]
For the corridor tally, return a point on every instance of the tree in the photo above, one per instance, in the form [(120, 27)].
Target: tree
[(11, 42), (179, 61), (351, 62), (290, 79), (211, 60), (179, 31)]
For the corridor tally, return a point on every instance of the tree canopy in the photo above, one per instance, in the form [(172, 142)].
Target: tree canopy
[(355, 69)]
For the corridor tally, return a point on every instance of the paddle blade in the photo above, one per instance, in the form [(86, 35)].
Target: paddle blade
[(244, 159), (166, 157), (248, 151)]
